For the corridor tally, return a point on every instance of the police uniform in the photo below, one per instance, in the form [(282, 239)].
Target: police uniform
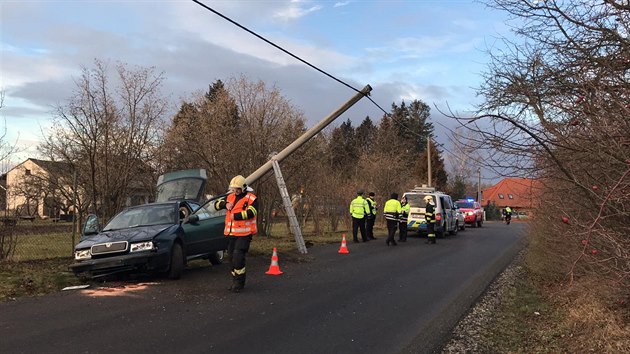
[(392, 211), (359, 209)]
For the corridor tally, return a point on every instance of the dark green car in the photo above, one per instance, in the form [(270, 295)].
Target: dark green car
[(158, 237)]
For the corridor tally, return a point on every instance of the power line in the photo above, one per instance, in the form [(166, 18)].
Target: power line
[(305, 62)]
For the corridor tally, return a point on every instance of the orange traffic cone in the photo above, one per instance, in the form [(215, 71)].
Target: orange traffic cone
[(343, 249), (274, 268)]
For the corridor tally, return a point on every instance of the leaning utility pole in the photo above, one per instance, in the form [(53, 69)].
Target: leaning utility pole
[(273, 163)]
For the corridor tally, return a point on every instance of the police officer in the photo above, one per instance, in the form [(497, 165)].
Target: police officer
[(359, 210), (402, 219), (429, 217), (371, 217), (240, 225), (391, 211)]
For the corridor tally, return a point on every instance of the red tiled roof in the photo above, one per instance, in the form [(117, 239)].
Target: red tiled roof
[(521, 190)]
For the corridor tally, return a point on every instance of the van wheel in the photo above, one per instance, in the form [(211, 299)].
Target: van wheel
[(454, 231)]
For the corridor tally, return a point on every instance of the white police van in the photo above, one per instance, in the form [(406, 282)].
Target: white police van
[(445, 211)]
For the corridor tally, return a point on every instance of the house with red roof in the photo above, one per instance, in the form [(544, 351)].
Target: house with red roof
[(517, 193)]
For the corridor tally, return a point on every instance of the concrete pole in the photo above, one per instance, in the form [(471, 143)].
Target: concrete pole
[(307, 136), (479, 185), (429, 160)]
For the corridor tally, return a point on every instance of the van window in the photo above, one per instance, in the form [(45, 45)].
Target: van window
[(446, 202), (416, 200)]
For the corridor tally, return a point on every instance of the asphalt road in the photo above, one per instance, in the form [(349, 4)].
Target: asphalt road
[(377, 299)]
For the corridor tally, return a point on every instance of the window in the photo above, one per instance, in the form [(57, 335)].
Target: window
[(501, 196), (27, 172), (510, 196)]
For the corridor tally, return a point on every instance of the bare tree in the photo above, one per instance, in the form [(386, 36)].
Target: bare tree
[(556, 108), (108, 131)]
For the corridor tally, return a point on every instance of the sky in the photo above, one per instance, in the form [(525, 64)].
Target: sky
[(431, 50)]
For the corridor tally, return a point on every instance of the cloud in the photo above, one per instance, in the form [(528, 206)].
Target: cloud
[(340, 4), (295, 11)]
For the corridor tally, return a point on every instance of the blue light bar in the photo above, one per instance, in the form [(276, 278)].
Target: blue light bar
[(470, 200)]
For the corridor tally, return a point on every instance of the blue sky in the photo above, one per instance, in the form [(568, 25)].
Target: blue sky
[(431, 50)]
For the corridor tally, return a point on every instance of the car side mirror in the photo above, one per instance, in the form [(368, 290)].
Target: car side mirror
[(191, 219)]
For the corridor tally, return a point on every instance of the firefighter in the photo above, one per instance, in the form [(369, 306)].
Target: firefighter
[(429, 217), (507, 214), (371, 217), (240, 225), (402, 219), (359, 209), (391, 211)]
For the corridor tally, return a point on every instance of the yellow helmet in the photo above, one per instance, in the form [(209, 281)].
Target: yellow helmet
[(238, 182), (428, 198)]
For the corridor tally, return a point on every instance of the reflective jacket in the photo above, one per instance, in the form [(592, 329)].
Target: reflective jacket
[(241, 220), (429, 213), (392, 209), (372, 207), (404, 213), (359, 208)]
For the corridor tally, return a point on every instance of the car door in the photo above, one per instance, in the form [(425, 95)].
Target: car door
[(449, 212), (204, 229)]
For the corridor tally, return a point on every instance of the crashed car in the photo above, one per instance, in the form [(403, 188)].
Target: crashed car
[(158, 237)]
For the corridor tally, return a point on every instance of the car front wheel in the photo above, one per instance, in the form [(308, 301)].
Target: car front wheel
[(177, 262)]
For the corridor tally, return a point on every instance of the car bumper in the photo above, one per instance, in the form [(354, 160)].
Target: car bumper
[(142, 261), (421, 226), (470, 218)]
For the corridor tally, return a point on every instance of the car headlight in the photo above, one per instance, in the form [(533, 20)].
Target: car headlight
[(470, 213), (141, 246), (82, 254)]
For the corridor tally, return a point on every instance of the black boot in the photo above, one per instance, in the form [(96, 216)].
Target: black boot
[(238, 284)]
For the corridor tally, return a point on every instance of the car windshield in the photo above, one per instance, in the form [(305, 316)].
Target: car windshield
[(144, 215), (180, 189), (466, 205)]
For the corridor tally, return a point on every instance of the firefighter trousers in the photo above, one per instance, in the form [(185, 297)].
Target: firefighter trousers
[(238, 246)]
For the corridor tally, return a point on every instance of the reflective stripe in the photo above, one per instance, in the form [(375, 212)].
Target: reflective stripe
[(239, 271)]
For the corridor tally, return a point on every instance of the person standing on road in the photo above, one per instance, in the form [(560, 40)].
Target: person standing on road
[(359, 210), (429, 217), (391, 211), (371, 217), (402, 219), (507, 214), (240, 225)]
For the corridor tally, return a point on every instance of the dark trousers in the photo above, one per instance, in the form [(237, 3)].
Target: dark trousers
[(392, 225), (238, 246), (358, 224), (369, 227), (402, 227), (431, 232)]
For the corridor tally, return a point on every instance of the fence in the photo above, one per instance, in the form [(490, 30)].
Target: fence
[(39, 239)]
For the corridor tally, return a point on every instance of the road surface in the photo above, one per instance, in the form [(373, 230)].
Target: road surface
[(376, 299)]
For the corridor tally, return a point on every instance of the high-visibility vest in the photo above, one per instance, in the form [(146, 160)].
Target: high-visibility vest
[(392, 209), (404, 213), (240, 227), (372, 207), (359, 208), (429, 213)]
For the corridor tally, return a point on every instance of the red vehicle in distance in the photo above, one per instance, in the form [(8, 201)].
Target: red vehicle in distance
[(472, 210)]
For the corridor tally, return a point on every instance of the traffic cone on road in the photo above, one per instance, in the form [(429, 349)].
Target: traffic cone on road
[(344, 248), (274, 268)]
